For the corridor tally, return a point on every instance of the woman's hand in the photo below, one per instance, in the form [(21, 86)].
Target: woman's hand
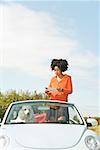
[(60, 89), (47, 91)]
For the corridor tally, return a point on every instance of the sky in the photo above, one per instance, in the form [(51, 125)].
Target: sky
[(32, 33)]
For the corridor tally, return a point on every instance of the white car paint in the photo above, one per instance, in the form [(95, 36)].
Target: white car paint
[(45, 136)]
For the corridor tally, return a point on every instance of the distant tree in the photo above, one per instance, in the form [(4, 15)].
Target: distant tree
[(11, 96)]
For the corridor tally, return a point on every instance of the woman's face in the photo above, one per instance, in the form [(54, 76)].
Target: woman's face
[(57, 71)]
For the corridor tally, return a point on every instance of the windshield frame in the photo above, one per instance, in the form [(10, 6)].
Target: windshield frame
[(44, 101)]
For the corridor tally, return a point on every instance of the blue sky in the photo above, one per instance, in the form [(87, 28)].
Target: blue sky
[(83, 14), (33, 33)]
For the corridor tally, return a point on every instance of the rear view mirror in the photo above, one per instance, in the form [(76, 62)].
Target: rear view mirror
[(43, 108)]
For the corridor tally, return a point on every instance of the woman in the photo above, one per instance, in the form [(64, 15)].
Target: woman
[(61, 84)]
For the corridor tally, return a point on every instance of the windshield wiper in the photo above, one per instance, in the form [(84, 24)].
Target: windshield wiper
[(17, 123)]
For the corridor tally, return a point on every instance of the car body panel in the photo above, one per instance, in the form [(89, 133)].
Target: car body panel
[(40, 138), (45, 136)]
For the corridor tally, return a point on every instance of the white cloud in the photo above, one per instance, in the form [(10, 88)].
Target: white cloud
[(30, 39)]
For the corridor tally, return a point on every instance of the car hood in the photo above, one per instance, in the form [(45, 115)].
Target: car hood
[(45, 135)]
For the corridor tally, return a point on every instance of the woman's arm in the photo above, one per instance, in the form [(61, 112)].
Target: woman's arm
[(65, 90), (69, 88)]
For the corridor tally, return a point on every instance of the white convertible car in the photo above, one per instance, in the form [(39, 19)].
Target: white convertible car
[(45, 125)]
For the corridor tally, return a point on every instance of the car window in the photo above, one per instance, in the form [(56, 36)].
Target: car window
[(73, 116), (43, 112)]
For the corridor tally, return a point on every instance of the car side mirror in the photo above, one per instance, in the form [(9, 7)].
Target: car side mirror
[(0, 121), (91, 122)]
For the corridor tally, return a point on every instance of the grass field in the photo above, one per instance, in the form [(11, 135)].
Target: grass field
[(96, 129)]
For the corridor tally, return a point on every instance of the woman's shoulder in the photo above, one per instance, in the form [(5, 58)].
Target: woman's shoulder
[(53, 78), (67, 76)]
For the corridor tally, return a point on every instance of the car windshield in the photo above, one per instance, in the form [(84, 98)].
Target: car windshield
[(43, 112)]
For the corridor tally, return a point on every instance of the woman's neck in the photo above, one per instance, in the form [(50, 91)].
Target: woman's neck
[(60, 76)]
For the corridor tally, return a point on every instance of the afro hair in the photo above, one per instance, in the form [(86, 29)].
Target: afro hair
[(62, 64)]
